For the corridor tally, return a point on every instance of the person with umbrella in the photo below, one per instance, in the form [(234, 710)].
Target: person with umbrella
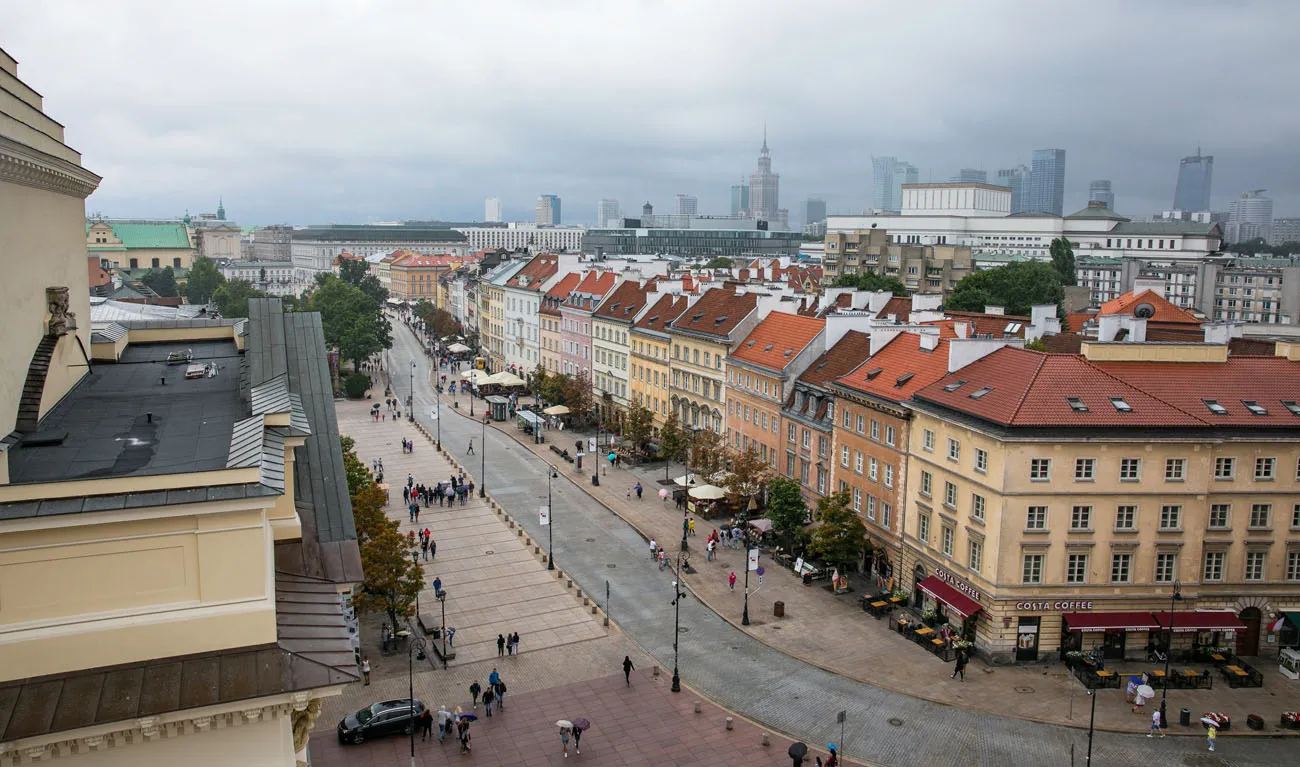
[(797, 752), (579, 724), (833, 760), (566, 728)]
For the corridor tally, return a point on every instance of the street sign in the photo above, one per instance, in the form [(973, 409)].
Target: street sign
[(433, 414), (841, 716), (544, 515), (753, 559)]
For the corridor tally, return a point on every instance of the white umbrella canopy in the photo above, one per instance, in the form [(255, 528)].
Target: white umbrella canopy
[(457, 348), (478, 376), (505, 379), (681, 481), (556, 410), (707, 492)]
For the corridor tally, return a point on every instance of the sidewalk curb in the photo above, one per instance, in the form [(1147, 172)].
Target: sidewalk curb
[(1137, 730)]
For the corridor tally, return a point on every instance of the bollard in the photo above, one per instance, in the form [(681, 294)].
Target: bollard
[(593, 612), (538, 550), (568, 584), (730, 723), (511, 522), (767, 741), (585, 601), (654, 671), (579, 592), (698, 707)]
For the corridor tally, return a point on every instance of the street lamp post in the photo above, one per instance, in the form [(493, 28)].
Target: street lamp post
[(482, 451), (678, 595), (550, 521), (410, 684), (596, 458), (1175, 596), (442, 600), (410, 398), (1092, 718), (753, 506)]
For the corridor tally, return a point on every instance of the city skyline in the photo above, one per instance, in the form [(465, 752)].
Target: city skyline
[(295, 161)]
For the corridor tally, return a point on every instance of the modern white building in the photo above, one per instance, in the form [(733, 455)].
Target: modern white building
[(1285, 230), (687, 205), (607, 213), (275, 278), (524, 236), (492, 211), (548, 210), (314, 248), (1250, 216)]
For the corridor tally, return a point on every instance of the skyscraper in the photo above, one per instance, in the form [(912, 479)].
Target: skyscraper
[(972, 176), (687, 205), (764, 186), (888, 176), (1100, 191), (607, 213), (814, 210), (1194, 174), (548, 210), (740, 199), (1017, 179), (1250, 216), (492, 210), (1047, 181)]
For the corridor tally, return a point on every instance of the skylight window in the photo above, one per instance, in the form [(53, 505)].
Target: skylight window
[(697, 316), (1121, 404), (1254, 407), (904, 378), (981, 392), (1291, 405), (874, 372), (750, 345), (768, 348), (720, 320), (1013, 327), (954, 386), (1215, 407), (1077, 405)]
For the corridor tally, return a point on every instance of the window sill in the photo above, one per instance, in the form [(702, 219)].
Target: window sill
[(1131, 481), (1085, 479), (1081, 531), (1169, 530), (1125, 530), (1036, 531), (1040, 479)]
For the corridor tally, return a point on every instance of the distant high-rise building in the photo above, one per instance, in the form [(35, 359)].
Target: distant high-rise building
[(687, 205), (1250, 216), (888, 176), (971, 176), (548, 210), (814, 210), (1194, 176), (1100, 191), (740, 199), (647, 210), (1047, 181), (607, 214), (492, 210), (1285, 230), (1017, 179), (764, 186)]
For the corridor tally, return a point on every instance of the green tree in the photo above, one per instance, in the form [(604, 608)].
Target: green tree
[(356, 385), (438, 321), (707, 452), (673, 440), (161, 281), (1063, 260), (750, 474), (840, 537), (578, 396), (392, 577), (357, 273), (232, 297), (203, 281), (551, 387), (871, 281), (719, 262), (368, 500), (352, 320), (786, 508), (1016, 286), (637, 426), (1036, 345)]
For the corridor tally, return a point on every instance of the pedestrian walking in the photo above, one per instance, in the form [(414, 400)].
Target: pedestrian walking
[(639, 491), (474, 689), (691, 525), (500, 689), (564, 741), (426, 725), (577, 739), (464, 736), (1155, 725), (1210, 735), (444, 722), (433, 548), (654, 550), (365, 670), (960, 666), (627, 669), (709, 546), (424, 547), (470, 451), (731, 580), (494, 677), (514, 643), (629, 494), (451, 636), (488, 697), (501, 645)]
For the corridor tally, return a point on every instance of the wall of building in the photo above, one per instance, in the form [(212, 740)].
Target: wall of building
[(267, 742)]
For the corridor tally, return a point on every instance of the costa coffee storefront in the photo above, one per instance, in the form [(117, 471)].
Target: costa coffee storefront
[(952, 599)]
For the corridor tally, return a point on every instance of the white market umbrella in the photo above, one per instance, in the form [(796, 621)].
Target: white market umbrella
[(681, 481), (707, 492), (477, 376), (505, 379), (457, 348), (556, 410)]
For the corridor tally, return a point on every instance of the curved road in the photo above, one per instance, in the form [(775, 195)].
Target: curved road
[(596, 547)]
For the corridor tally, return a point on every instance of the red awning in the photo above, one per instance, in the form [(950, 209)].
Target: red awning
[(959, 602), (1201, 620), (1110, 621)]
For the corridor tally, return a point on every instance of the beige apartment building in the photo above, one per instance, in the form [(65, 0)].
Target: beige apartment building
[(1069, 495), (650, 343), (702, 337), (922, 268), (174, 557)]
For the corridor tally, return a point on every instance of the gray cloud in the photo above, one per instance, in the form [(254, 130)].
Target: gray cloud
[(349, 111)]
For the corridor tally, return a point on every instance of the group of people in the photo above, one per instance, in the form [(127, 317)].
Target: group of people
[(455, 489), (507, 644), (727, 539), (428, 546)]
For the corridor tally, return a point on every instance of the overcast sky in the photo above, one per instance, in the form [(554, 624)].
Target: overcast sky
[(360, 111)]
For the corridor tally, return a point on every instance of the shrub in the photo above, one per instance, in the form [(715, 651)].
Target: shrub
[(356, 385)]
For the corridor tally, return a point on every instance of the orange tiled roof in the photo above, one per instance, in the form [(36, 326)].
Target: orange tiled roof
[(594, 283), (717, 313), (839, 360), (995, 325), (664, 311), (778, 339), (537, 271), (550, 304), (898, 305), (626, 300), (900, 368), (1165, 311), (419, 261)]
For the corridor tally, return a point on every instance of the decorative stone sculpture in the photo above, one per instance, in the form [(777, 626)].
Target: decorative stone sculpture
[(62, 321), (303, 722)]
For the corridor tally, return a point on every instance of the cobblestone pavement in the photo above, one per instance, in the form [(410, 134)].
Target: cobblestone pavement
[(770, 686)]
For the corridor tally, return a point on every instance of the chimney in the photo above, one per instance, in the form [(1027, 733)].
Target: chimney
[(1043, 322), (1220, 332), (995, 310), (929, 341), (964, 351), (877, 300), (838, 325), (922, 302), (961, 329), (881, 335)]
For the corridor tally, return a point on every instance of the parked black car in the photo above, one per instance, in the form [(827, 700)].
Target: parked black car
[(389, 717)]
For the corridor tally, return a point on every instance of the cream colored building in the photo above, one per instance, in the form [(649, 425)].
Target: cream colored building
[(931, 268), (147, 552), (650, 345), (702, 337), (1051, 497)]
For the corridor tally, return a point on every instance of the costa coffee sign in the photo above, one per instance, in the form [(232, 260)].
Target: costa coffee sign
[(956, 583), (1062, 605)]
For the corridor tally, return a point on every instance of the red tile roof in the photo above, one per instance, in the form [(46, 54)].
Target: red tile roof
[(421, 261), (665, 310), (898, 305), (556, 295), (778, 339), (840, 359), (995, 325), (626, 300), (1164, 310), (593, 283), (535, 272), (1074, 321), (900, 368), (1033, 389), (717, 313)]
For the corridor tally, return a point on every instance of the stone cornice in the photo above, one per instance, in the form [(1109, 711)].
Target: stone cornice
[(20, 164)]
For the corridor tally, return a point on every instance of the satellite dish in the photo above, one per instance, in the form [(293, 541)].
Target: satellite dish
[(1144, 311)]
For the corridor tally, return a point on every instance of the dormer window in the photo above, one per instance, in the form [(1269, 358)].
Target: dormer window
[(1215, 407), (903, 379), (874, 372)]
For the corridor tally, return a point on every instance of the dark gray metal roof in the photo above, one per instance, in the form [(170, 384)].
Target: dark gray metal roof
[(118, 501), (107, 332)]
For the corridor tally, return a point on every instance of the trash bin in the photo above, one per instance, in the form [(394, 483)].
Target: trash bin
[(1185, 717), (1255, 722), (778, 610)]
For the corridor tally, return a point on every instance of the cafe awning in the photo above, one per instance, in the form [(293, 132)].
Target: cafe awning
[(959, 602), (1116, 622), (1200, 620)]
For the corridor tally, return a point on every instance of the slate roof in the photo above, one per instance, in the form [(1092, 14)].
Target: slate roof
[(627, 299), (840, 359), (777, 340), (1165, 311), (716, 313)]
